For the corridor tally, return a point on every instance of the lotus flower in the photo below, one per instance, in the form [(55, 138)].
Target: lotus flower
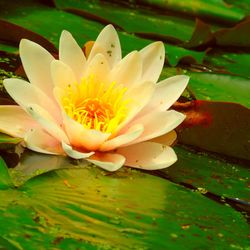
[(103, 108)]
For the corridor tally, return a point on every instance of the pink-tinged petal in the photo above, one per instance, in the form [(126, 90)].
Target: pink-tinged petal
[(167, 139), (71, 54), (74, 153), (47, 122), (128, 71), (81, 137), (109, 41), (15, 121), (25, 93), (148, 155), (131, 134), (166, 93), (157, 124), (108, 161), (153, 57), (62, 74), (139, 96), (36, 62), (98, 67), (40, 141)]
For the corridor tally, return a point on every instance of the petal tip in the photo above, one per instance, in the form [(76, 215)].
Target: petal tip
[(23, 41), (25, 44), (109, 29), (66, 33), (109, 26)]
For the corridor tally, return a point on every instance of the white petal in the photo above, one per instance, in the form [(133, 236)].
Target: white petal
[(139, 96), (166, 139), (107, 161), (130, 135), (109, 41), (153, 60), (157, 124), (15, 121), (74, 153), (81, 137), (47, 122), (148, 155), (166, 93), (40, 141), (62, 74), (71, 54), (36, 62), (128, 71), (25, 93), (98, 67)]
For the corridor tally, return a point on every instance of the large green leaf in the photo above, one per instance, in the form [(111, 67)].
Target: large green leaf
[(5, 139), (230, 62), (86, 208), (243, 4), (210, 173), (5, 179), (220, 87), (132, 20), (216, 10), (31, 18), (234, 36), (215, 87), (217, 127)]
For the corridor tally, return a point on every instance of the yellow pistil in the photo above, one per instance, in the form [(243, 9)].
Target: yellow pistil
[(96, 105)]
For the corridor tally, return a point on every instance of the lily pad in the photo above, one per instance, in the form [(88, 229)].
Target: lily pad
[(236, 63), (217, 127), (5, 179), (132, 20), (88, 208), (6, 139), (216, 10), (214, 87), (31, 18), (234, 36), (210, 173), (220, 87), (243, 4)]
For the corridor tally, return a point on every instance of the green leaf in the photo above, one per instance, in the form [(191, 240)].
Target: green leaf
[(175, 54), (217, 127), (214, 87), (220, 87), (4, 244), (6, 139), (34, 23), (8, 48), (132, 20), (210, 173), (5, 180), (235, 36), (230, 62), (88, 208), (216, 10), (244, 5)]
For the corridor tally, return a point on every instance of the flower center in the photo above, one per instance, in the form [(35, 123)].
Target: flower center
[(96, 105)]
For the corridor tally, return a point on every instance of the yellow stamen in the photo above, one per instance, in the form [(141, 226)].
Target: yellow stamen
[(96, 105)]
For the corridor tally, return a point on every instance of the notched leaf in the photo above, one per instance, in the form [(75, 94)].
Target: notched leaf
[(18, 32), (237, 36), (218, 127)]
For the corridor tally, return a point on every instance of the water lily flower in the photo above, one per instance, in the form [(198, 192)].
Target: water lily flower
[(104, 108)]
